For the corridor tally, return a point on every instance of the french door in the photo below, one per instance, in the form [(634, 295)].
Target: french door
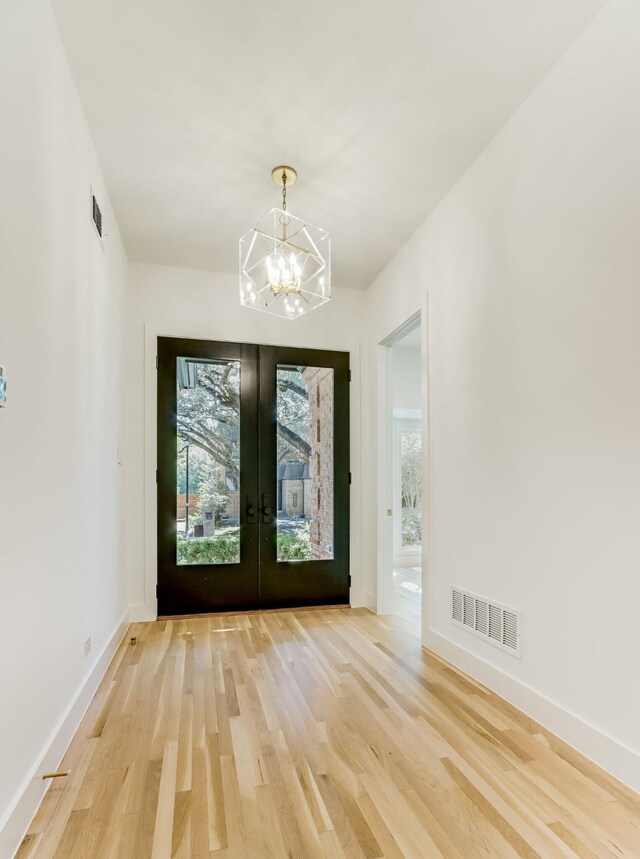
[(253, 477)]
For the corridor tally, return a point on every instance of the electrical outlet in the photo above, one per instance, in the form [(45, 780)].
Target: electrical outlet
[(87, 647)]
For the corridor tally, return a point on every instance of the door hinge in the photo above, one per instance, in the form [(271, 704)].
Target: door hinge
[(349, 478), (156, 362), (348, 375), (349, 579), (157, 476), (156, 591)]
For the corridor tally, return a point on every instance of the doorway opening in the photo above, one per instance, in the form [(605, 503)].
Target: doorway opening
[(402, 475)]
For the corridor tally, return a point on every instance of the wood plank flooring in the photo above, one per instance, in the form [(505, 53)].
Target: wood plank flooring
[(407, 594), (324, 733)]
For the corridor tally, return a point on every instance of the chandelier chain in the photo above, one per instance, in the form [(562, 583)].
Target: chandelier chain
[(284, 190)]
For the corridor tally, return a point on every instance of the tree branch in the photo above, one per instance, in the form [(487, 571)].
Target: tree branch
[(294, 441)]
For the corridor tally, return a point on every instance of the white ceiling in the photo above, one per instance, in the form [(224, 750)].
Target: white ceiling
[(380, 105)]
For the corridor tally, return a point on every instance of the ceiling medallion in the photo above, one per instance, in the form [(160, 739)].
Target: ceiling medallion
[(285, 262)]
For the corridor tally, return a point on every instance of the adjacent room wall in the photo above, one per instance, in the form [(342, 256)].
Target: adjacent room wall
[(61, 309), (531, 265), (407, 379), (189, 303)]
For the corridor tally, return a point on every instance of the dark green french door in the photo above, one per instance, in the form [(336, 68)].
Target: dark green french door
[(253, 477)]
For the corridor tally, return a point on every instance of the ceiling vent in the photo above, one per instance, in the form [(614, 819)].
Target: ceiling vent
[(490, 620), (96, 219), (96, 214)]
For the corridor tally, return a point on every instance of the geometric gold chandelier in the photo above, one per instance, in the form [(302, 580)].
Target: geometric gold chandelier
[(285, 262)]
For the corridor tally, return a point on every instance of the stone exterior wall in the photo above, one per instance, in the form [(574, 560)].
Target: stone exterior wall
[(319, 381), (293, 497), (208, 523), (308, 498)]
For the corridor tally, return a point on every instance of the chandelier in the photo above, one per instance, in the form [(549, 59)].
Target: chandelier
[(285, 262)]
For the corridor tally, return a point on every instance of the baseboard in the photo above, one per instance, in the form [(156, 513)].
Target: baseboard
[(363, 599), (16, 820), (604, 750)]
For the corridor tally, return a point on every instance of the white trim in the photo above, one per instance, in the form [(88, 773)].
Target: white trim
[(20, 813), (384, 572), (141, 613), (425, 317), (407, 414), (368, 600), (384, 457), (592, 742), (151, 335), (402, 330)]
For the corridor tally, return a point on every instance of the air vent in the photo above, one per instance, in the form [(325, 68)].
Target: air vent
[(482, 617), (96, 214), (492, 621), (457, 606)]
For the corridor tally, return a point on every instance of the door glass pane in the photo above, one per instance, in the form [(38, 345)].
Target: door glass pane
[(305, 463), (411, 487), (208, 462)]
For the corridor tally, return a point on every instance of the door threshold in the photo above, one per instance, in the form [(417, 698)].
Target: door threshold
[(252, 611)]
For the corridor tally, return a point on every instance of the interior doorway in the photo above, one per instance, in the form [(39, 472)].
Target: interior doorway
[(401, 430), (253, 477)]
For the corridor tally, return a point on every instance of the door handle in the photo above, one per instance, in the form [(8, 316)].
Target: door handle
[(250, 509), (267, 512)]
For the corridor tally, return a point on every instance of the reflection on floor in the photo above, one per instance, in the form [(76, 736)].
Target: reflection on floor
[(407, 594)]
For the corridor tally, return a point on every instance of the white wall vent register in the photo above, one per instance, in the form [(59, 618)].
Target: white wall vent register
[(494, 622)]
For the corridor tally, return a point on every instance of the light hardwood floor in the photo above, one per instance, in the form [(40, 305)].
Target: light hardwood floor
[(324, 733), (407, 594)]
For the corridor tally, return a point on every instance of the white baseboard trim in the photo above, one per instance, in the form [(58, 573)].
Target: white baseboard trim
[(594, 743), (19, 815), (363, 599)]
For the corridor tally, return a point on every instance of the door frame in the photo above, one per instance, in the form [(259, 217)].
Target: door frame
[(141, 553), (385, 438)]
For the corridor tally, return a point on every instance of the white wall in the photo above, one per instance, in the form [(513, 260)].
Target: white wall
[(407, 379), (188, 303), (532, 268), (61, 306)]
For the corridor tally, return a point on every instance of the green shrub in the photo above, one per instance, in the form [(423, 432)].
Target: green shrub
[(293, 548), (411, 526), (224, 549)]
